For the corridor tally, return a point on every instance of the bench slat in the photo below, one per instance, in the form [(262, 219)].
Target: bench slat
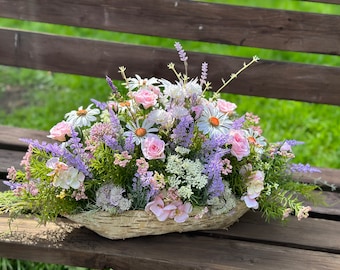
[(273, 29), (317, 237), (78, 246), (99, 58)]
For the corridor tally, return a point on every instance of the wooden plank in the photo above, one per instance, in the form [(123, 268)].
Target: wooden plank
[(65, 244), (10, 137), (310, 233), (218, 23), (9, 158), (327, 178), (99, 58)]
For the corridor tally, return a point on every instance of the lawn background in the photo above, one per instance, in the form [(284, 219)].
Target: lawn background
[(45, 97)]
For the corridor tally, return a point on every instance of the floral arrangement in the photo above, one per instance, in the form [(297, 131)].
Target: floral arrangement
[(161, 147)]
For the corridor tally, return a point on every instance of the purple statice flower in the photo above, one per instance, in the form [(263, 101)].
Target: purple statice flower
[(293, 142), (110, 83), (213, 167), (182, 54), (114, 121), (212, 155), (55, 149), (99, 104), (182, 134), (112, 143), (303, 168), (204, 74), (12, 185), (238, 123), (129, 145), (77, 155), (214, 143)]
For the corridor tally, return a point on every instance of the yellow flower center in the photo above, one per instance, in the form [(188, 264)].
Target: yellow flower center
[(214, 121), (252, 140), (81, 112), (140, 132)]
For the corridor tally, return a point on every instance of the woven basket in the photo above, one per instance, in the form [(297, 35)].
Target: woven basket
[(139, 223)]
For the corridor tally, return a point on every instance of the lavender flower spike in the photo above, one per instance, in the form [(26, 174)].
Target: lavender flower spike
[(110, 83), (204, 74), (182, 54)]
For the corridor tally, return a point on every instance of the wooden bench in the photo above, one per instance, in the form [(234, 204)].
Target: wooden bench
[(251, 243)]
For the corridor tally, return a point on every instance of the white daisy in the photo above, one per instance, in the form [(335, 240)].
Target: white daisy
[(259, 142), (82, 117), (213, 122), (138, 82), (138, 132)]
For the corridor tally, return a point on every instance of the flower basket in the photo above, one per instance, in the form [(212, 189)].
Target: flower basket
[(157, 157), (137, 223)]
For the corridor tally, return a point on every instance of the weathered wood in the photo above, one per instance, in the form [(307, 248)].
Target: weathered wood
[(78, 246), (242, 26), (99, 58), (317, 237), (10, 137)]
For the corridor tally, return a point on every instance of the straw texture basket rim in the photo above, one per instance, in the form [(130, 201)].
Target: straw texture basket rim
[(135, 223)]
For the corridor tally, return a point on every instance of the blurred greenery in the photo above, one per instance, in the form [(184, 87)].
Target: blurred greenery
[(46, 96)]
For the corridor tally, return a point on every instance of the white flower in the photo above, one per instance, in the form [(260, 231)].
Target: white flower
[(174, 91), (258, 141), (161, 117), (69, 178), (82, 117), (139, 133), (213, 122), (138, 82), (193, 88)]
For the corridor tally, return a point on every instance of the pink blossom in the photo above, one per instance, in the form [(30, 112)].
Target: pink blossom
[(56, 165), (239, 144), (225, 106), (145, 97), (181, 214), (153, 147), (158, 208), (250, 202), (255, 183), (60, 131), (303, 212), (286, 147)]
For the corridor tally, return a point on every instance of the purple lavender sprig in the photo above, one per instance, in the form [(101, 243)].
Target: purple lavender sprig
[(182, 54), (110, 83), (204, 73)]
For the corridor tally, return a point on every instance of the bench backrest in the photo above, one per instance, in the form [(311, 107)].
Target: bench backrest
[(180, 20)]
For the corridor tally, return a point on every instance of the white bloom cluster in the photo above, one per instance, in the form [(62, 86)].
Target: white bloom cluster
[(185, 174)]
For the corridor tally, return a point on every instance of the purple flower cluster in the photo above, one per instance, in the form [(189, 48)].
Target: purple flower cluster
[(184, 132)]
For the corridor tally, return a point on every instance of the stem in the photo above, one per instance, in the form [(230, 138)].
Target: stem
[(234, 75)]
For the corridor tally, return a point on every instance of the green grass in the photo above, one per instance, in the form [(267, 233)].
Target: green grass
[(50, 95)]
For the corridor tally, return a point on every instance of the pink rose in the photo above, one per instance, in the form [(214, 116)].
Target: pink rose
[(239, 144), (145, 97), (60, 131), (153, 147), (225, 106)]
